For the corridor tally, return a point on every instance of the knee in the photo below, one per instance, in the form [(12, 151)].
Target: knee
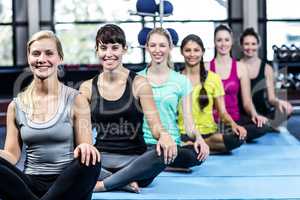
[(192, 157), (232, 141), (257, 132), (156, 160), (198, 162), (91, 169)]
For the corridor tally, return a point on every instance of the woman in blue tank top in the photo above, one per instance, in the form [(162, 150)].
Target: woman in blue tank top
[(119, 100), (47, 118)]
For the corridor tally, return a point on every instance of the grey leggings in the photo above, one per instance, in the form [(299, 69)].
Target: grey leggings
[(120, 170)]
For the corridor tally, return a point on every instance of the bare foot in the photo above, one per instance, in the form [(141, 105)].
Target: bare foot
[(132, 187), (99, 187)]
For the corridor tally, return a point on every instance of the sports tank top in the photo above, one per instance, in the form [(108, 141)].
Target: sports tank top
[(118, 123), (259, 91), (48, 146), (231, 88)]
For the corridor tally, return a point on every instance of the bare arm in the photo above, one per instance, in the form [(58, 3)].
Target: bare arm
[(86, 89), (283, 106), (143, 91), (246, 96), (199, 145), (83, 131), (246, 90), (239, 130), (270, 85), (13, 144), (221, 108), (82, 120), (187, 112)]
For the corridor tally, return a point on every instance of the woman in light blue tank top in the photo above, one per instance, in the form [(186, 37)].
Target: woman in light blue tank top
[(168, 88), (52, 121)]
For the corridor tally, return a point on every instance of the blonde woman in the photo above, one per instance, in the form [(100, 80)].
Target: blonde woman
[(169, 87), (53, 122)]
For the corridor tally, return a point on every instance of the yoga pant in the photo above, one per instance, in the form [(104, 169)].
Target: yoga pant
[(120, 170), (186, 157), (231, 140), (76, 182), (253, 132)]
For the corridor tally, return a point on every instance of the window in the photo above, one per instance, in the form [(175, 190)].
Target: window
[(283, 24), (77, 21), (6, 33)]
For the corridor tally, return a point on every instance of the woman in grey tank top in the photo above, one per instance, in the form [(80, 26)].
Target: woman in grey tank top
[(53, 122)]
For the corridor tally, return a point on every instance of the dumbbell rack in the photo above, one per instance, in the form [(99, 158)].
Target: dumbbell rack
[(161, 16), (286, 65)]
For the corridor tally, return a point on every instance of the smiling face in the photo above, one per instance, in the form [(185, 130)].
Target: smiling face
[(223, 42), (110, 55), (250, 46), (192, 53), (43, 58), (159, 48)]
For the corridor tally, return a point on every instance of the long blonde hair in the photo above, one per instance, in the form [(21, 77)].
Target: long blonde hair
[(26, 97), (163, 32)]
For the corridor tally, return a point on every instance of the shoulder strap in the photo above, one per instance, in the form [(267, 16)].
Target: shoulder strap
[(262, 69)]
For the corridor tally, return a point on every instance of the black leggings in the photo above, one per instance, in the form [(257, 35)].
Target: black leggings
[(143, 169), (253, 131), (230, 139), (76, 182), (186, 157)]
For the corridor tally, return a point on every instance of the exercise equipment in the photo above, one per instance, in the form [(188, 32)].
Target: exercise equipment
[(142, 36), (146, 6), (174, 35), (295, 53), (167, 7)]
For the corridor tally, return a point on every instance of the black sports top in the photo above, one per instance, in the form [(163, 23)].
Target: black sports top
[(259, 91), (119, 122)]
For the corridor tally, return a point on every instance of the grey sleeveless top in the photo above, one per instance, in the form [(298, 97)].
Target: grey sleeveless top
[(49, 146)]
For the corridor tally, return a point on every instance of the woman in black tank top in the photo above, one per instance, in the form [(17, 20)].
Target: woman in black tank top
[(262, 81), (119, 99)]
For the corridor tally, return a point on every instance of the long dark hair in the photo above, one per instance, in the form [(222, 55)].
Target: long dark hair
[(222, 27), (202, 99)]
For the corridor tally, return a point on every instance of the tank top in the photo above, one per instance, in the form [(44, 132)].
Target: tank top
[(231, 87), (259, 91), (118, 123), (49, 146)]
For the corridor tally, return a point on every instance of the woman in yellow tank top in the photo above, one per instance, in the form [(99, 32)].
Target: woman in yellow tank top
[(219, 139)]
